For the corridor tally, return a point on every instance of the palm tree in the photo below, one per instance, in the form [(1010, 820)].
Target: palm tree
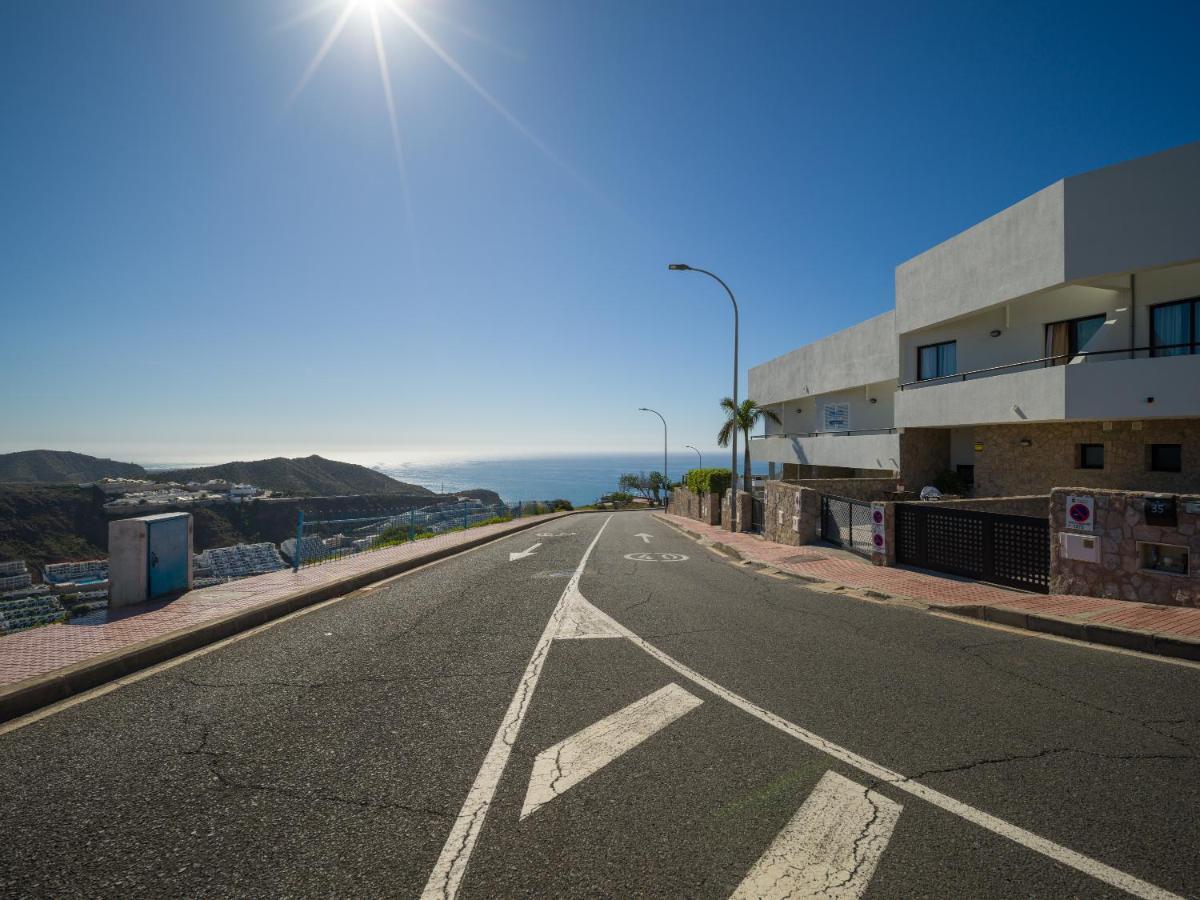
[(743, 418)]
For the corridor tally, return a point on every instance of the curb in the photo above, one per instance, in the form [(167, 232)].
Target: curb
[(30, 694), (1109, 635)]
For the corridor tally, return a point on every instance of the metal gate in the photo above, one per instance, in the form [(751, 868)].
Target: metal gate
[(1003, 549), (846, 523), (756, 514)]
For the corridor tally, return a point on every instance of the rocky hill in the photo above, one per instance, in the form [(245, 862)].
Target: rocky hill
[(62, 466), (312, 476)]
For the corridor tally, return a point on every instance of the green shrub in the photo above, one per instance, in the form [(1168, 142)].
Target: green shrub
[(494, 520), (708, 481)]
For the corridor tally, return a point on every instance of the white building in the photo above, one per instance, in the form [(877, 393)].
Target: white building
[(72, 571), (238, 561), (1055, 343)]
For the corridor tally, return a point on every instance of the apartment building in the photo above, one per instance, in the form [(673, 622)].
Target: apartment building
[(1056, 343)]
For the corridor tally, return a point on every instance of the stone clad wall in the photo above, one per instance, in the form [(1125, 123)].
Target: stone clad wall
[(1038, 505), (924, 455), (704, 508), (1004, 467), (792, 510), (1119, 525)]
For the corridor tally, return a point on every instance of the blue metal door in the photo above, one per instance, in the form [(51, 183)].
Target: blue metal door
[(168, 558)]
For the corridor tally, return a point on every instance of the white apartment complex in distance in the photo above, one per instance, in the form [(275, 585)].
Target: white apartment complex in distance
[(1056, 343)]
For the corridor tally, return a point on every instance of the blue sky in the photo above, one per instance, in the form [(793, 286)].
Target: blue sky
[(196, 269)]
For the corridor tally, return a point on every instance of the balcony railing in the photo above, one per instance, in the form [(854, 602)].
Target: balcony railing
[(802, 434), (1044, 361)]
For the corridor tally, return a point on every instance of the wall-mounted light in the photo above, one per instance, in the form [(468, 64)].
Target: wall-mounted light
[(1149, 399), (799, 409), (874, 400), (995, 332), (1026, 442), (979, 446)]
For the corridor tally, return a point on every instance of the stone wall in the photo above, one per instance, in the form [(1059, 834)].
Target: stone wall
[(792, 510), (1119, 526), (924, 455), (1004, 467), (1037, 505), (704, 508)]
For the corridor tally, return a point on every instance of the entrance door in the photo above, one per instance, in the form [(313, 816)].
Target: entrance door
[(168, 555)]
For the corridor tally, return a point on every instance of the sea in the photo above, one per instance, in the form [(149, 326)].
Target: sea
[(582, 479)]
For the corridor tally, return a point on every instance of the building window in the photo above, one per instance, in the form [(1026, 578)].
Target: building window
[(1175, 328), (1091, 456), (1166, 457), (1064, 340), (966, 473), (936, 360)]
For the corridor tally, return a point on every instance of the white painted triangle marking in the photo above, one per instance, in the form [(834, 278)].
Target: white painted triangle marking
[(524, 553), (830, 847), (580, 620), (559, 768)]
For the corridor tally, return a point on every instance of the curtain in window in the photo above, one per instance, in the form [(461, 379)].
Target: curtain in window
[(927, 364), (1172, 325), (1058, 343), (947, 358)]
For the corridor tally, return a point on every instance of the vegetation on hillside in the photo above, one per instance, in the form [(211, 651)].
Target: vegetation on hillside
[(312, 476), (62, 466)]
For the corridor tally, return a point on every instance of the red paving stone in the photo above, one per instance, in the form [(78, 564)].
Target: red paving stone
[(943, 592), (37, 651)]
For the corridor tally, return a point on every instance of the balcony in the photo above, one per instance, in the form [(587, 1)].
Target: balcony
[(876, 449), (1093, 386)]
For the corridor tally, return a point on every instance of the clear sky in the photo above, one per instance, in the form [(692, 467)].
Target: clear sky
[(200, 264)]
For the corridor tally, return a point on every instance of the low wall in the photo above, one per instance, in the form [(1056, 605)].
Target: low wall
[(704, 508), (1119, 572), (792, 510), (853, 488), (1037, 505)]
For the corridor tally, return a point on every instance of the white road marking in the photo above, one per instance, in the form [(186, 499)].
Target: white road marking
[(447, 875), (580, 620), (1057, 852), (556, 534), (645, 537), (559, 768), (829, 848), (524, 553), (656, 557)]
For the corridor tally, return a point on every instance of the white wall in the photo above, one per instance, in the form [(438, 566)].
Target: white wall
[(854, 451), (803, 415), (1119, 390), (1015, 252), (1038, 394), (860, 355)]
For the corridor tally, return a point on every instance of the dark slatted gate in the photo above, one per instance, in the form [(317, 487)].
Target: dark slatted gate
[(846, 523), (757, 506), (1003, 549)]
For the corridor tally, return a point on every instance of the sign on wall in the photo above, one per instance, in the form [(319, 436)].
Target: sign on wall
[(1080, 512), (878, 534), (835, 417), (1160, 511)]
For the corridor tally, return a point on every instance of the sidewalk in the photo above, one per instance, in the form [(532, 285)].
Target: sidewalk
[(42, 665), (1165, 630)]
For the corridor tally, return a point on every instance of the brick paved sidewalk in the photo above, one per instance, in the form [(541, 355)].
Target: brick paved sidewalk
[(1124, 623), (38, 651)]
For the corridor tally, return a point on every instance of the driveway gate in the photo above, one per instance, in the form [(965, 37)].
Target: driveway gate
[(1003, 549), (846, 523)]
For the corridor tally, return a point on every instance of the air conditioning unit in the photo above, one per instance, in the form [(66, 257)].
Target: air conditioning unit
[(1079, 547)]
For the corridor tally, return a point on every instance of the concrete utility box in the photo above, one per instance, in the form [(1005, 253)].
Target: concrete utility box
[(149, 557)]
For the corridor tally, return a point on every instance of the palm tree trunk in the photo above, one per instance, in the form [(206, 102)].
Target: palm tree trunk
[(746, 467)]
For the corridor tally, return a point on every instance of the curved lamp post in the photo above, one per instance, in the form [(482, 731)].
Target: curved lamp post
[(733, 467), (698, 456), (666, 480)]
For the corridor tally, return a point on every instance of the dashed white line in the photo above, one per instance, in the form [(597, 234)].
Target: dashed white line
[(830, 847), (559, 768), (447, 875)]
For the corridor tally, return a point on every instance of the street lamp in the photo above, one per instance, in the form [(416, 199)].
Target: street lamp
[(666, 480), (698, 456), (684, 267)]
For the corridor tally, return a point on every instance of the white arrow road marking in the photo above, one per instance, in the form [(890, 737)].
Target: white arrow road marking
[(1131, 884), (447, 875), (830, 847), (559, 768), (524, 553), (645, 537)]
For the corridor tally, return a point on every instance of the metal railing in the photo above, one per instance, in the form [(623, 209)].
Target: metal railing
[(323, 540), (794, 434), (1050, 361)]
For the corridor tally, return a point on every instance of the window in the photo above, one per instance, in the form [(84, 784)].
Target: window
[(936, 360), (1091, 456), (1065, 339), (1166, 457), (1175, 328), (966, 473)]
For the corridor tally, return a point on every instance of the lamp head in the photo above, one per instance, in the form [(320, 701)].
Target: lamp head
[(643, 409), (679, 267)]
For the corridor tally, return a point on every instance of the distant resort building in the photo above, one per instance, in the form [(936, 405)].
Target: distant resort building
[(238, 561), (14, 575), (91, 570)]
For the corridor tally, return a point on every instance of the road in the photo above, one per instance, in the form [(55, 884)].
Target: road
[(595, 719)]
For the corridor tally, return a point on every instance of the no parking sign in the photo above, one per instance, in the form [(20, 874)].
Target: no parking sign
[(1080, 512), (878, 534)]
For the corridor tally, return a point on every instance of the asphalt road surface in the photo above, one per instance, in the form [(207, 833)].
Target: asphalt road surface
[(621, 712)]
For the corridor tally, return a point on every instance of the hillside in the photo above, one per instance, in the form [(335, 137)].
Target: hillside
[(62, 466), (312, 476)]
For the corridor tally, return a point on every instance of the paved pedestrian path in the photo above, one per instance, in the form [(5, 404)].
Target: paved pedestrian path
[(1121, 622), (39, 651)]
